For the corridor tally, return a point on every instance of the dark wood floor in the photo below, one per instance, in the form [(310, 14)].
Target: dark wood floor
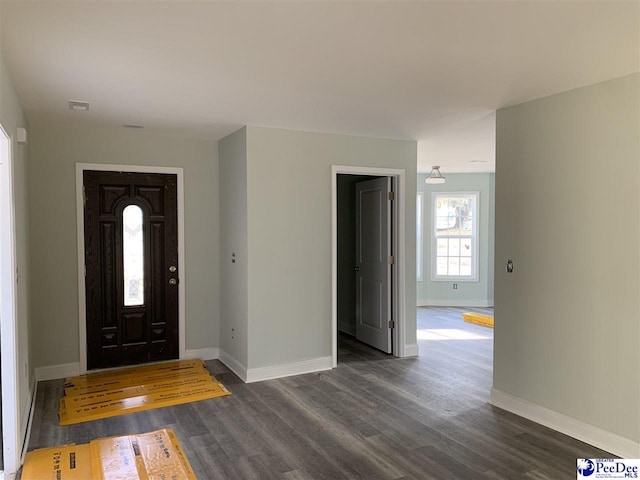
[(373, 417)]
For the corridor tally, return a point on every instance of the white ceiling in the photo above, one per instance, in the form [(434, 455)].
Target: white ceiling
[(429, 71)]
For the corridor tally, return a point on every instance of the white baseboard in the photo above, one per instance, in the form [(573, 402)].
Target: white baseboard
[(64, 370), (24, 419), (54, 372), (288, 369), (603, 439), (31, 411), (454, 303), (249, 375), (234, 365), (411, 350), (209, 353)]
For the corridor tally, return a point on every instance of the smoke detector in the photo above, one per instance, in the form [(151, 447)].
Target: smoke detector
[(78, 106)]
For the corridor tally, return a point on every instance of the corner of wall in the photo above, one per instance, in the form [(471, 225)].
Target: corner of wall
[(234, 365), (233, 251)]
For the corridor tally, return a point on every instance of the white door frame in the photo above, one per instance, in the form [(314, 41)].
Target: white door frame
[(82, 305), (8, 310), (398, 236)]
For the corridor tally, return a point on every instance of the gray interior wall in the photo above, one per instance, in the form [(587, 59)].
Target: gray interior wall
[(233, 239), (478, 293), (11, 117), (347, 251), (55, 149), (289, 232), (567, 198)]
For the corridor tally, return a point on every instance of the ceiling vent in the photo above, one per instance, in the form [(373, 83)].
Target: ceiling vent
[(78, 106)]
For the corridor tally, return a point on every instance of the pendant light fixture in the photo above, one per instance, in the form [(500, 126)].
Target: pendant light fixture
[(435, 176)]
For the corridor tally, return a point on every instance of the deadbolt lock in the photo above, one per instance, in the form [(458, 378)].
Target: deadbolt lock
[(173, 281), (172, 268)]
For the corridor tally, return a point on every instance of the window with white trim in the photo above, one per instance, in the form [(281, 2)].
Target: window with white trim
[(454, 250), (419, 237)]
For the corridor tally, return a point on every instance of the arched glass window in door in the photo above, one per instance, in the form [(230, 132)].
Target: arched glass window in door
[(133, 255)]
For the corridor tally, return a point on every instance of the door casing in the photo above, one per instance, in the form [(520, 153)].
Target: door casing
[(398, 227), (82, 315), (11, 427)]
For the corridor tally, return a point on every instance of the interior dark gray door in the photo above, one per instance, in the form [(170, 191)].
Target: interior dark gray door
[(131, 261), (373, 270)]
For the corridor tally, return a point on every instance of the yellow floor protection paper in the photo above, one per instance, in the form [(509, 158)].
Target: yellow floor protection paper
[(139, 388), (148, 456), (479, 318), (128, 382), (101, 381), (173, 366), (68, 462)]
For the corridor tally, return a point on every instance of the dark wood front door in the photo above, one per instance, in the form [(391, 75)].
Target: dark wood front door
[(131, 261)]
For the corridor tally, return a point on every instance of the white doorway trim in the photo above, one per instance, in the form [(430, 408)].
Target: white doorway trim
[(398, 235), (82, 306), (8, 311)]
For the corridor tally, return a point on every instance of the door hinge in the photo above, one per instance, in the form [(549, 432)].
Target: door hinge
[(391, 260), (392, 324), (392, 195), (84, 197)]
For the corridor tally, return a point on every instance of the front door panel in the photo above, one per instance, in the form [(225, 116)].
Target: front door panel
[(131, 260)]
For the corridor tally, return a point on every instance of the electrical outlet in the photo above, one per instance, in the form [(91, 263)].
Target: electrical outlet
[(455, 286), (233, 333)]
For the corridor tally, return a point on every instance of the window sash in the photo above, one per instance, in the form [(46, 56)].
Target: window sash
[(454, 252)]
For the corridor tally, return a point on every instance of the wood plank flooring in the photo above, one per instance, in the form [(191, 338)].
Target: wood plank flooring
[(373, 417)]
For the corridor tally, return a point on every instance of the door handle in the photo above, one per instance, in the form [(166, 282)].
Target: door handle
[(173, 281)]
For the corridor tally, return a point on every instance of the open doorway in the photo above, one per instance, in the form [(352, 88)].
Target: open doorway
[(455, 274), (10, 452), (363, 283), (367, 258)]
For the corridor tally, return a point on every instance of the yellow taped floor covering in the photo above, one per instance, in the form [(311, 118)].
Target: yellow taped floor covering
[(147, 456), (479, 318), (117, 392)]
